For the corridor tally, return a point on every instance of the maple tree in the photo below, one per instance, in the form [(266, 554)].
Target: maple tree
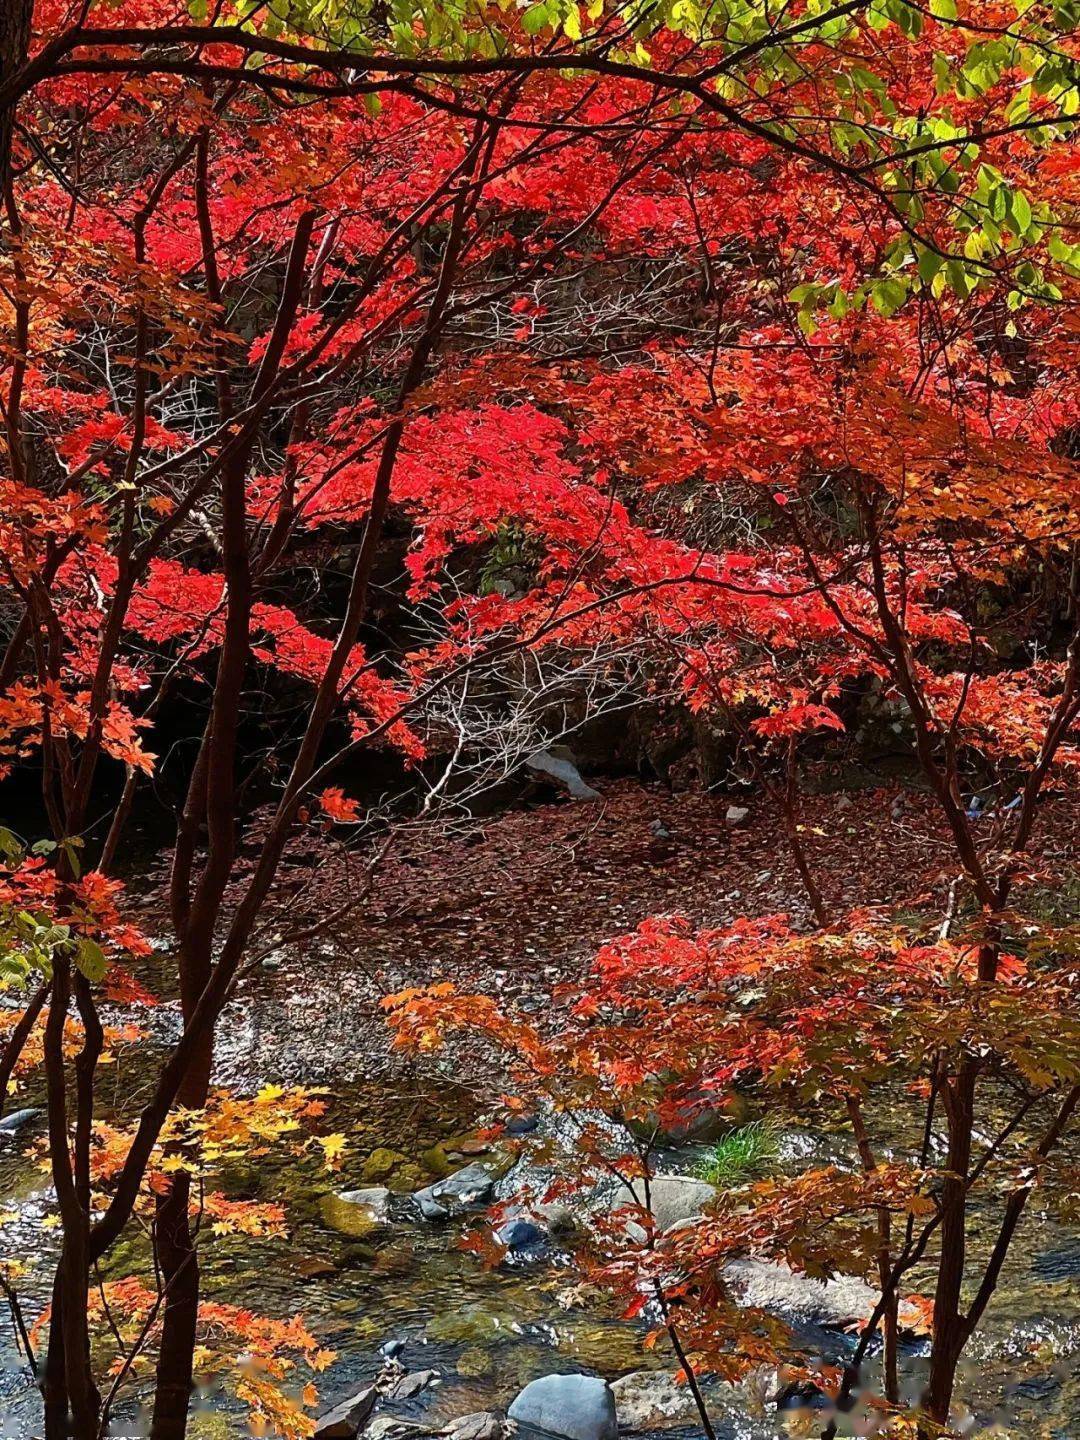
[(289, 281)]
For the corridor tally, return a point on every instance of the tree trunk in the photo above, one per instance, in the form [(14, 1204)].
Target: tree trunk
[(15, 18), (950, 1333), (176, 1253), (179, 1264)]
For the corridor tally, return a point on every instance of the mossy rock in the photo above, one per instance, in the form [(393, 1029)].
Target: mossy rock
[(398, 1259), (472, 1325), (356, 1213), (407, 1178), (129, 1257), (357, 1255), (241, 1179), (608, 1349), (453, 1154), (208, 1426), (474, 1362), (381, 1164)]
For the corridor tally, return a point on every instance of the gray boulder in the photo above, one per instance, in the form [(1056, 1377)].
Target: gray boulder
[(574, 1407), (405, 1387), (771, 1285), (653, 1400), (673, 1200), (519, 1234), (556, 767), (16, 1120), (461, 1191), (345, 1421)]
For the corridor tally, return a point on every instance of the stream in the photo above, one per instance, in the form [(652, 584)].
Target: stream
[(486, 1331)]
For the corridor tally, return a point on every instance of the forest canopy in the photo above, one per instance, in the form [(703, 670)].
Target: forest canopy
[(407, 407)]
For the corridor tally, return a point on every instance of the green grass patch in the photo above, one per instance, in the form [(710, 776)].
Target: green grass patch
[(742, 1155)]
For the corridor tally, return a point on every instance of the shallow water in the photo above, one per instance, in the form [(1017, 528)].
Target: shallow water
[(487, 1332)]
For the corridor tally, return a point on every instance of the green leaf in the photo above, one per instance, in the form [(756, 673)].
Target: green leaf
[(930, 262), (535, 18), (888, 295), (90, 959), (1020, 210)]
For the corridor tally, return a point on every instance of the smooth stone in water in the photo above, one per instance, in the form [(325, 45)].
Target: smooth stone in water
[(381, 1164), (16, 1120), (357, 1212), (465, 1188), (518, 1235), (406, 1386), (522, 1124), (574, 1407)]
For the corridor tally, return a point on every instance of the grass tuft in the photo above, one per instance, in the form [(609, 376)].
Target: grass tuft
[(743, 1155)]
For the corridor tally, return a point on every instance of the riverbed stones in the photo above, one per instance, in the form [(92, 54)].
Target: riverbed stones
[(357, 1213), (482, 1425), (573, 1407), (347, 1419), (473, 1362), (652, 1400), (477, 1324)]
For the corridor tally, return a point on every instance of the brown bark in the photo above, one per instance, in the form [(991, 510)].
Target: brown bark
[(15, 18)]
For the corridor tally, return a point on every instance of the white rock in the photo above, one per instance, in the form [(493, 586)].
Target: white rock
[(652, 1400)]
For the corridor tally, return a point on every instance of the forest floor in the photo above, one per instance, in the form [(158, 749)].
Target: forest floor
[(526, 900)]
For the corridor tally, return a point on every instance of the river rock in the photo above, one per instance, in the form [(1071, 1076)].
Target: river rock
[(673, 1199), (652, 1400), (710, 1116), (461, 1191), (16, 1120), (345, 1421), (381, 1164), (522, 1124), (771, 1285), (357, 1212), (483, 1425), (556, 767), (519, 1235), (390, 1427), (574, 1407), (404, 1387)]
